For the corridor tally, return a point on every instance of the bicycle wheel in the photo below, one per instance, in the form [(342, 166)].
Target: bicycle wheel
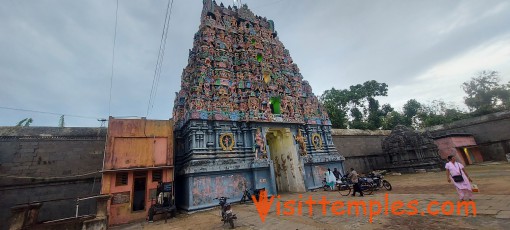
[(367, 188), (245, 198), (344, 189), (231, 221)]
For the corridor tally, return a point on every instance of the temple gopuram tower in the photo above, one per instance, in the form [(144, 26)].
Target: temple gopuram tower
[(244, 117)]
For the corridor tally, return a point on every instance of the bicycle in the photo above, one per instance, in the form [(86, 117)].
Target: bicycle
[(246, 196), (344, 186)]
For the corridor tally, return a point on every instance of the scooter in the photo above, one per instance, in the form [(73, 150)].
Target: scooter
[(227, 216)]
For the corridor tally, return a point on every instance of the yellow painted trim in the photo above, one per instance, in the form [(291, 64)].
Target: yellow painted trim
[(231, 145), (317, 146)]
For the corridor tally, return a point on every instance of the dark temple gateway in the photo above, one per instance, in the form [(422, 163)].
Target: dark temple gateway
[(409, 150), (244, 116)]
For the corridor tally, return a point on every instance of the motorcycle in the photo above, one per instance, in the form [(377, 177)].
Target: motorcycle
[(345, 185), (227, 216), (379, 182)]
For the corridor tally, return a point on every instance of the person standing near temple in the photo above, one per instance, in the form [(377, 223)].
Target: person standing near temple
[(336, 173), (455, 171), (354, 179), (330, 179)]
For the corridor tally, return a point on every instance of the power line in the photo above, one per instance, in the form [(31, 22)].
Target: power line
[(157, 70), (161, 54), (113, 58), (52, 113)]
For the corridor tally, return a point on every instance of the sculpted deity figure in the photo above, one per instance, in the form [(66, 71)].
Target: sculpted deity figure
[(260, 145), (302, 145), (268, 114)]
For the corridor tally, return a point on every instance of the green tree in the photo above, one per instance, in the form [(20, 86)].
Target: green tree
[(24, 123), (408, 116), (485, 94), (410, 111), (359, 103), (61, 122), (439, 112), (335, 101), (392, 119)]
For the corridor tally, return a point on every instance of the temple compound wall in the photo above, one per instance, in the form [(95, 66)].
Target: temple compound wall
[(244, 117), (56, 165), (361, 148)]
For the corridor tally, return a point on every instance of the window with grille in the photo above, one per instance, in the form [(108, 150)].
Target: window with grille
[(157, 175), (121, 179)]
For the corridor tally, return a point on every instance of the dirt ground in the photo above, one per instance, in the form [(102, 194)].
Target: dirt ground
[(493, 180)]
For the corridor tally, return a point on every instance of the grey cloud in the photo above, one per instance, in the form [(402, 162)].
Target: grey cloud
[(56, 55)]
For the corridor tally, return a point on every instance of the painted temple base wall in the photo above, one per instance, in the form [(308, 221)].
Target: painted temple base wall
[(197, 191), (222, 158), (315, 172)]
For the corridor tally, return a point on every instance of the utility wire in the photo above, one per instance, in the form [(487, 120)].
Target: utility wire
[(58, 114), (113, 58), (157, 70), (161, 54)]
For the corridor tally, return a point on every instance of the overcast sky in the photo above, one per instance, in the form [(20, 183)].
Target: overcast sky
[(56, 56)]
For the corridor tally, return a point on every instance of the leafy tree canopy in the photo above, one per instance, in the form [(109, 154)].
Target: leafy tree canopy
[(357, 107), (24, 123), (485, 94)]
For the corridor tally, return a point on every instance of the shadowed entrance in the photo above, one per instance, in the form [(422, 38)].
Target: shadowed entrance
[(286, 160)]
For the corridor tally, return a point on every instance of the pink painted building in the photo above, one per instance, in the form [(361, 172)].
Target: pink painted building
[(139, 154), (462, 146)]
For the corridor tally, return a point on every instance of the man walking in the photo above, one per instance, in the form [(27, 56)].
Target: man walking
[(354, 178)]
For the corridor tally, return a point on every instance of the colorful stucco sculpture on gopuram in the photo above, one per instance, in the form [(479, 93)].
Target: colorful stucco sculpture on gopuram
[(244, 116)]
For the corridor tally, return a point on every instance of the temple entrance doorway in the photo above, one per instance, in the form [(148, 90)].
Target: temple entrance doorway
[(285, 157)]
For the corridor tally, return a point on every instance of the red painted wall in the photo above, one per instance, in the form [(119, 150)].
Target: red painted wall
[(454, 146), (122, 213)]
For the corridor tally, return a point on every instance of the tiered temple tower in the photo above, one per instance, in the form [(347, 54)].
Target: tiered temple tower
[(244, 116)]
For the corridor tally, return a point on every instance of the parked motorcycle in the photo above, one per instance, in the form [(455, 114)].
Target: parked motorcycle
[(227, 216), (379, 182), (345, 185), (367, 185)]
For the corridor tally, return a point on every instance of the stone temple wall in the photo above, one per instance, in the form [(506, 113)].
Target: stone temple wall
[(361, 148), (42, 163), (244, 116)]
